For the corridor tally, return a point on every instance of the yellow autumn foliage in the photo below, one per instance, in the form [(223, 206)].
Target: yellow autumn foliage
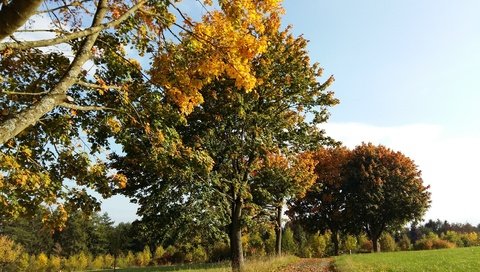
[(224, 43)]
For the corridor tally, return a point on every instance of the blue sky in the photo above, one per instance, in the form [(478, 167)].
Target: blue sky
[(407, 77)]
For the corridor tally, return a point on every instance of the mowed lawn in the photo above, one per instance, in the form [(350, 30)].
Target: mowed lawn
[(257, 265), (445, 260)]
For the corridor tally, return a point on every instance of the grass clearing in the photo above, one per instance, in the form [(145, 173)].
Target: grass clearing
[(252, 265), (444, 260)]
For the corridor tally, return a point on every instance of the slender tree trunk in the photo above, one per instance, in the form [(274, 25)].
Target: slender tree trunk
[(236, 249), (335, 242), (278, 231), (376, 246)]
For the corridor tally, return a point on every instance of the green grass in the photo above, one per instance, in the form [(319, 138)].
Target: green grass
[(255, 265), (444, 260)]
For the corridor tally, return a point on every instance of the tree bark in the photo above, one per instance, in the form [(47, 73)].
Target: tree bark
[(278, 231), (13, 126), (335, 242), (376, 246), (15, 14), (236, 249)]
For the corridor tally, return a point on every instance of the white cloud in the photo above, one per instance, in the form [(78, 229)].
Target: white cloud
[(448, 163)]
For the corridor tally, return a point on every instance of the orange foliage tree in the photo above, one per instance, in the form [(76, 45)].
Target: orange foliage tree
[(324, 204), (385, 189)]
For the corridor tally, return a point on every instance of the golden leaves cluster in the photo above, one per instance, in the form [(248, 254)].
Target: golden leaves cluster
[(223, 44)]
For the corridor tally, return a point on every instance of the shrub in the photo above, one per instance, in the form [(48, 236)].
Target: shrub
[(404, 243), (9, 254), (387, 243), (23, 263), (439, 244), (318, 245), (365, 244), (470, 239), (453, 237), (424, 244), (199, 255), (41, 262), (350, 243), (158, 255), (255, 245), (55, 263), (97, 263), (219, 252), (129, 259), (76, 262), (108, 261), (289, 245), (433, 243)]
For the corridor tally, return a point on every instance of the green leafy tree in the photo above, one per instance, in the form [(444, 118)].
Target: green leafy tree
[(277, 179), (205, 177), (288, 241), (385, 189)]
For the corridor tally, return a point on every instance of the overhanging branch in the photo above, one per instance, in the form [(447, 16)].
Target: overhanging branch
[(83, 108), (71, 36)]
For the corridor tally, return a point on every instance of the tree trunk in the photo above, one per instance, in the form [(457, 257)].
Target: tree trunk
[(335, 242), (376, 246), (15, 14), (278, 231), (236, 249)]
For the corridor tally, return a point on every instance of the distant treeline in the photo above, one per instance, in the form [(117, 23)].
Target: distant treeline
[(93, 242)]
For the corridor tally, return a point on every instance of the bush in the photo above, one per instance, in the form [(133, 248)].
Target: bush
[(55, 263), (158, 255), (350, 243), (318, 245), (387, 243), (255, 245), (289, 245), (470, 239), (365, 244), (453, 237), (433, 243), (439, 244), (199, 255), (9, 254), (108, 261), (219, 252), (97, 263), (404, 243), (76, 262), (41, 262)]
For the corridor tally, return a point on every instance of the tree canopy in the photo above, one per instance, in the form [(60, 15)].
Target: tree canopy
[(219, 145), (385, 189), (59, 113)]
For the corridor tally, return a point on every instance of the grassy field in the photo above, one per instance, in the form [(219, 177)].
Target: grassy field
[(257, 265), (445, 260)]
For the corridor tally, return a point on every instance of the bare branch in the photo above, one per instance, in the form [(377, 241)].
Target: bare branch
[(83, 108), (73, 35), (73, 4), (97, 86), (24, 93)]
